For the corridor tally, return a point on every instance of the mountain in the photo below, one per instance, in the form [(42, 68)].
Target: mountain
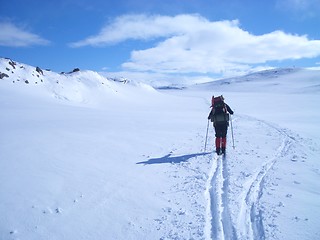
[(75, 86), (282, 80), (85, 157)]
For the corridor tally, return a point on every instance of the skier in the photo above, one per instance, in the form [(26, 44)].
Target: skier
[(220, 118)]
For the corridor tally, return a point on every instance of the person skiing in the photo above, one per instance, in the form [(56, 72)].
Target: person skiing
[(220, 118)]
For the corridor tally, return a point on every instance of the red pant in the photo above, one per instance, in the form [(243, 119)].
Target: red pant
[(221, 142)]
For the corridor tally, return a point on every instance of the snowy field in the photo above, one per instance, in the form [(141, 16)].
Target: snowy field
[(84, 157)]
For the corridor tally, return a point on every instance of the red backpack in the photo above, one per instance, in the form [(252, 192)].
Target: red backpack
[(217, 102)]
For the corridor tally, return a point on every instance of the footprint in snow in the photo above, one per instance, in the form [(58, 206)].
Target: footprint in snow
[(58, 210), (47, 211), (13, 232), (76, 200), (297, 219), (289, 195)]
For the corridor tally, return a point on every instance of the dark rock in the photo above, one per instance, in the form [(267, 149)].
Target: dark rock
[(2, 75), (39, 70), (73, 71), (12, 63)]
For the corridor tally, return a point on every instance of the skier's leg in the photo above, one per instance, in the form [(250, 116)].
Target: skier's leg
[(218, 144), (223, 144), (218, 138), (224, 138)]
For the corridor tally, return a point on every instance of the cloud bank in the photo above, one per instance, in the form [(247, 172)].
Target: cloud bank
[(13, 36), (193, 44)]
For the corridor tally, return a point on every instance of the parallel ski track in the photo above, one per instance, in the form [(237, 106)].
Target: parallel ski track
[(219, 222)]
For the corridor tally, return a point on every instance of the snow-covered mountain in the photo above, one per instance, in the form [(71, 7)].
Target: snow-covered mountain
[(19, 72), (282, 80), (85, 157), (75, 86)]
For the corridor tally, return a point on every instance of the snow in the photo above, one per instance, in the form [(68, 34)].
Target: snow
[(86, 157)]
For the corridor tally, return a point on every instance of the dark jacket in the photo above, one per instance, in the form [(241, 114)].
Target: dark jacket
[(215, 112)]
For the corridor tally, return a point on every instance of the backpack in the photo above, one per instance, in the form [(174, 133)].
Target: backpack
[(219, 110)]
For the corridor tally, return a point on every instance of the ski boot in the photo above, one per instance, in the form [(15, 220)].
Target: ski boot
[(218, 151), (223, 150)]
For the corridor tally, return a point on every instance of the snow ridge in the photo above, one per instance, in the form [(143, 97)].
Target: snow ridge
[(78, 86)]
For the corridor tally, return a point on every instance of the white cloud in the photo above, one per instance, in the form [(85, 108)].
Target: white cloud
[(193, 44), (13, 36), (141, 27), (160, 79), (314, 68)]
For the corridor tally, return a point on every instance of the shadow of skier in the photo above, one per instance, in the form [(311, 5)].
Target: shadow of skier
[(172, 159)]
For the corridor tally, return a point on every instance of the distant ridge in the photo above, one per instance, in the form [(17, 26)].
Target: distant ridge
[(75, 86), (20, 72), (289, 80)]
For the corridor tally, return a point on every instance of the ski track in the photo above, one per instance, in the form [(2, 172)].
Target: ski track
[(250, 212), (249, 224)]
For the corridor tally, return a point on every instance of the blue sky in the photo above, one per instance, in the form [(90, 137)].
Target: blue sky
[(194, 40)]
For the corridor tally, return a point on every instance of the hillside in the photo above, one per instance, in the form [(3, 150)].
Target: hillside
[(282, 80), (76, 86)]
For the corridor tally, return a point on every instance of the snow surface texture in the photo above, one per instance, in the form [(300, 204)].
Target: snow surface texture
[(85, 157)]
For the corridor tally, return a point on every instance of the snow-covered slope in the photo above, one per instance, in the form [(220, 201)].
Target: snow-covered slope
[(85, 157), (282, 80), (84, 87)]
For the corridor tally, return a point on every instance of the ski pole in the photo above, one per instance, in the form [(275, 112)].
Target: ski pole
[(205, 145), (232, 132)]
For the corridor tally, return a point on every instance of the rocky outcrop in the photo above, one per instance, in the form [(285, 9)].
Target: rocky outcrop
[(12, 64), (39, 70), (3, 75)]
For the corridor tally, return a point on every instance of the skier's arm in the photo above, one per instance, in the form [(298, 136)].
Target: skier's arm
[(229, 109)]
